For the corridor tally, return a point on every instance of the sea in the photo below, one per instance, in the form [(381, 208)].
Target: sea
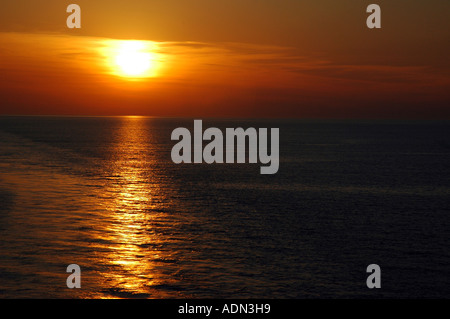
[(103, 193)]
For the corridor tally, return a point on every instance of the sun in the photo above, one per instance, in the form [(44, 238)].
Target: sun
[(132, 59)]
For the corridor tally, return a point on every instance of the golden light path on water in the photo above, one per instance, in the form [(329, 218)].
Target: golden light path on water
[(132, 211), (116, 224)]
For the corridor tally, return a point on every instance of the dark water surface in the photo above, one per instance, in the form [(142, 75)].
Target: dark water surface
[(103, 193)]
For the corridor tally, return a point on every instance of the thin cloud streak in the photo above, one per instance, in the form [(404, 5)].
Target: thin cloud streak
[(216, 78)]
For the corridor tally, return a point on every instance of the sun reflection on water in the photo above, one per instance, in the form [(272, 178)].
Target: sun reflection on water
[(134, 245)]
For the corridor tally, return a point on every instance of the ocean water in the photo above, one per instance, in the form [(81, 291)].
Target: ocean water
[(103, 193)]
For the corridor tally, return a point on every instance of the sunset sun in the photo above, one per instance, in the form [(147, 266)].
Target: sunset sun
[(132, 59)]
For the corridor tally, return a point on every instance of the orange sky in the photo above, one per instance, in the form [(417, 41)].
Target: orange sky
[(284, 58)]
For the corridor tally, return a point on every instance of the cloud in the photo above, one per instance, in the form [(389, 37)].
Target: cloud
[(227, 77)]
